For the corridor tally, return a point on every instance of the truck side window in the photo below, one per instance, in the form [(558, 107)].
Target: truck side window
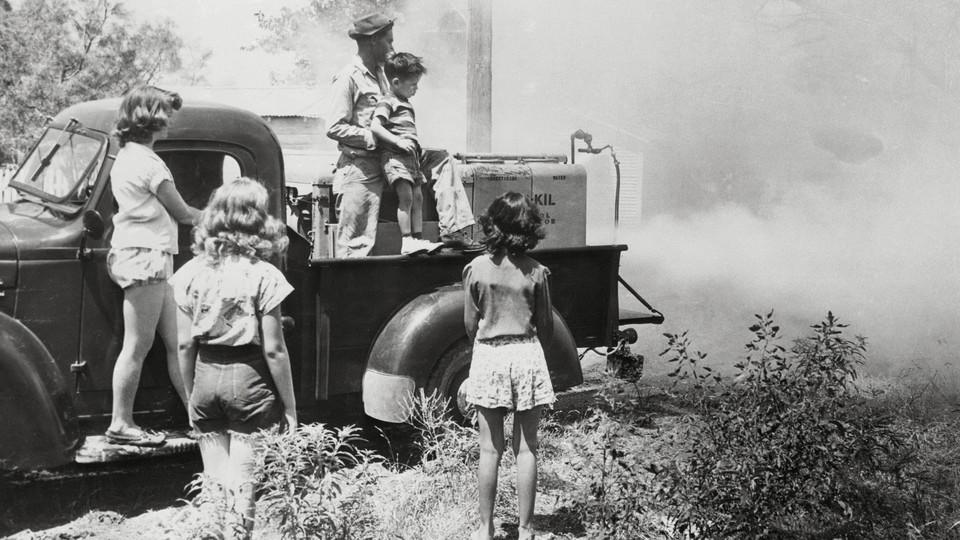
[(197, 173)]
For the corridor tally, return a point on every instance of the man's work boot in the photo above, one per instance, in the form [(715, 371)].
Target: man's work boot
[(461, 241)]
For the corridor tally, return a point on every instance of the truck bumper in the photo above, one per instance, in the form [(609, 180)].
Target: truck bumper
[(387, 397)]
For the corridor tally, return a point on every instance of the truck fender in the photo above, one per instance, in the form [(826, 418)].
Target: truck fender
[(425, 344), (38, 425)]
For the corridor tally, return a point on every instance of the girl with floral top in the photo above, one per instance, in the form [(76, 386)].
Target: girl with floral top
[(509, 317), (232, 351)]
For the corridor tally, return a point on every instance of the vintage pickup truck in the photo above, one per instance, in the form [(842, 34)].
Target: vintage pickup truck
[(370, 330)]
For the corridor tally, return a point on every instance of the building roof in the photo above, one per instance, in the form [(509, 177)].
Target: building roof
[(275, 101)]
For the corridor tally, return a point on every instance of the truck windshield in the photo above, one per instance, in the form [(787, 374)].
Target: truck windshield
[(61, 166)]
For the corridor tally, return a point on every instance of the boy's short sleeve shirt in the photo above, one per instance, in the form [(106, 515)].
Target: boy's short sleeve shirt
[(398, 117), (226, 300), (141, 220)]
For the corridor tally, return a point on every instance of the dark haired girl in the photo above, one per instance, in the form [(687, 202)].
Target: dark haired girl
[(508, 315)]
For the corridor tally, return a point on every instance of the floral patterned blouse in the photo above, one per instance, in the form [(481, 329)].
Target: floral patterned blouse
[(225, 299)]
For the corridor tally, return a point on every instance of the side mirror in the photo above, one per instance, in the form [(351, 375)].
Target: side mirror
[(93, 224)]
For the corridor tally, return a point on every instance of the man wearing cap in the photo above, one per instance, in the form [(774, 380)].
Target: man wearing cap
[(359, 177)]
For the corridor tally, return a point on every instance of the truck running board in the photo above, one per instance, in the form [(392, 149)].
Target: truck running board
[(96, 449), (629, 316)]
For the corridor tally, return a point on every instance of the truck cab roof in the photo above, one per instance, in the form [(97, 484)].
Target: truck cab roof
[(196, 120), (201, 124)]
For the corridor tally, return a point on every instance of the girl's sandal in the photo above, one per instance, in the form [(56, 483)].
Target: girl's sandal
[(136, 437)]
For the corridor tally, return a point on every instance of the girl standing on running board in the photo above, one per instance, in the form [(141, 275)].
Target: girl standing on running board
[(143, 244)]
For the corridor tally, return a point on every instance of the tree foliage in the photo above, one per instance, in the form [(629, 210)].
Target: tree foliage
[(56, 53), (313, 32)]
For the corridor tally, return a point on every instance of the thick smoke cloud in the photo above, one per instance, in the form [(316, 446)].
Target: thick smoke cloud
[(805, 175)]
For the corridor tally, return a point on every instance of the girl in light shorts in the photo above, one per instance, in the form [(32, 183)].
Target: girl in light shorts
[(509, 317), (232, 352), (143, 244)]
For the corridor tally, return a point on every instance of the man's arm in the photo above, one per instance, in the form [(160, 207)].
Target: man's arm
[(343, 97)]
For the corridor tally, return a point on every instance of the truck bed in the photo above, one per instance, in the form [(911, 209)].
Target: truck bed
[(348, 301)]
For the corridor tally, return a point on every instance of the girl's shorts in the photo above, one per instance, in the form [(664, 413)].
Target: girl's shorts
[(234, 391), (134, 266), (405, 166), (509, 372)]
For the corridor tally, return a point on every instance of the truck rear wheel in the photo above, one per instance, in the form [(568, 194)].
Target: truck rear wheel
[(448, 377)]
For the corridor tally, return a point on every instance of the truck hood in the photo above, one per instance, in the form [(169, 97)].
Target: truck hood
[(28, 229)]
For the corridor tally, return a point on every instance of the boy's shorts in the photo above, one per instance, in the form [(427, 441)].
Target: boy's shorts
[(135, 266), (234, 391), (401, 166)]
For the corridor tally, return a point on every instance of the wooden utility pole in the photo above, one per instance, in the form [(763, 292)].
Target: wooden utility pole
[(479, 75)]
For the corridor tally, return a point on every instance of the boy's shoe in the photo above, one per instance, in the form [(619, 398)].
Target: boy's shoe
[(430, 247), (461, 241), (411, 246)]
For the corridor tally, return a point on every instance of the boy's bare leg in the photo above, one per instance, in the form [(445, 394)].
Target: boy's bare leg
[(416, 212), (405, 205)]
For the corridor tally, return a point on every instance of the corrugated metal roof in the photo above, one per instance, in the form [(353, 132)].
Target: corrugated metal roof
[(276, 101)]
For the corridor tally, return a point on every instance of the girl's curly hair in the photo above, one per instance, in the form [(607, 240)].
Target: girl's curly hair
[(144, 111), (236, 222), (512, 222)]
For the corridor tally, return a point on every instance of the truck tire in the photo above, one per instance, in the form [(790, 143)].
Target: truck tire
[(448, 376)]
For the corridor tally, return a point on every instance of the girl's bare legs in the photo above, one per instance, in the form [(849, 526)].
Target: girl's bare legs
[(141, 312), (242, 461), (491, 450), (405, 205), (167, 327), (228, 463), (525, 426), (215, 451)]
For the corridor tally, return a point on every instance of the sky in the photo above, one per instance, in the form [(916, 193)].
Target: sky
[(750, 135)]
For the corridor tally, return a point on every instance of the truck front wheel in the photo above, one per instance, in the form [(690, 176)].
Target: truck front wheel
[(448, 377)]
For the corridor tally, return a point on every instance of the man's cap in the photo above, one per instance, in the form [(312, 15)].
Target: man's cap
[(369, 25)]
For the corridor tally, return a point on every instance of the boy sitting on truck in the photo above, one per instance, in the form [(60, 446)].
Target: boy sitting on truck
[(394, 125)]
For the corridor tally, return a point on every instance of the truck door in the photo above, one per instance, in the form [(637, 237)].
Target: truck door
[(197, 170)]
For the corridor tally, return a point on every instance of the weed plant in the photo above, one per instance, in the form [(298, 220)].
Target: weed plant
[(315, 482), (437, 498)]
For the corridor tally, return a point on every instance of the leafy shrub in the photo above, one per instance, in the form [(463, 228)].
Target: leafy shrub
[(315, 482), (779, 451)]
